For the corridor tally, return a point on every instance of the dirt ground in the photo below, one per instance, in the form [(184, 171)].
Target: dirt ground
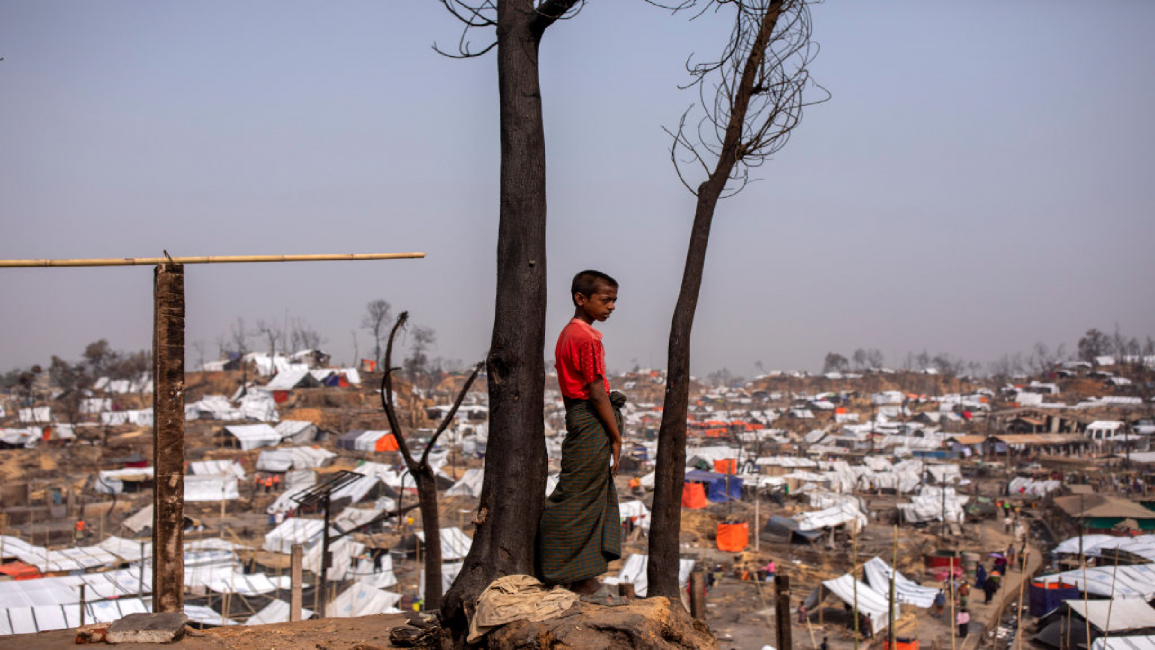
[(365, 633)]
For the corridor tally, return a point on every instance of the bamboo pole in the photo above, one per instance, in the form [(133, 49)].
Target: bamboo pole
[(854, 582), (1022, 584), (209, 259)]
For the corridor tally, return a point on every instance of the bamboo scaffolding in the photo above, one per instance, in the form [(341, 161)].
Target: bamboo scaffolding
[(209, 259)]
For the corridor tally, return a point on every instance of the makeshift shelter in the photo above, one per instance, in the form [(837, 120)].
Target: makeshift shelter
[(1066, 627), (779, 529), (633, 572), (469, 484), (248, 436), (1045, 597), (277, 611), (733, 537), (361, 440), (219, 487), (1110, 581), (694, 495), (454, 543), (290, 458), (297, 432), (719, 487), (871, 604), (907, 591)]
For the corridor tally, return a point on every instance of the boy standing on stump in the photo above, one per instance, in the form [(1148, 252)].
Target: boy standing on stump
[(579, 533)]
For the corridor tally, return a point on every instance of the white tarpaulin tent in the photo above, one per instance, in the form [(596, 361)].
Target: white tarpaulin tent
[(454, 543), (361, 599), (284, 459), (277, 611), (1096, 545), (868, 601), (1120, 582), (253, 436), (930, 505), (293, 531), (842, 513), (633, 572), (907, 591), (1118, 615), (297, 432), (222, 487), (468, 485), (1125, 643)]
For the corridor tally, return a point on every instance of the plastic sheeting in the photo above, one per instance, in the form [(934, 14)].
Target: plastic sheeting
[(468, 485), (285, 459), (253, 436), (906, 591), (633, 572), (843, 513), (210, 488), (1096, 545), (930, 505), (1125, 643), (868, 601), (277, 611), (293, 531), (1020, 485), (1121, 582), (454, 543), (361, 599)]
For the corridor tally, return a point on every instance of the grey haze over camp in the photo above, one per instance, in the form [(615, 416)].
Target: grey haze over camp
[(978, 181)]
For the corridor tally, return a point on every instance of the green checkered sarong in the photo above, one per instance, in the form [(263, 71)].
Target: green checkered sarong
[(580, 531)]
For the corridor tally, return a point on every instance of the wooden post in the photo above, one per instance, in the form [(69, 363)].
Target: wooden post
[(782, 611), (295, 595), (82, 603), (757, 518), (698, 595), (141, 581), (626, 590), (168, 439), (323, 576)]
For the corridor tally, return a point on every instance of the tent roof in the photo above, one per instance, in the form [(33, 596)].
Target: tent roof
[(1116, 615), (1102, 506)]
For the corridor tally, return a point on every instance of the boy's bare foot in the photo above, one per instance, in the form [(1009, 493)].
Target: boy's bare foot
[(586, 587)]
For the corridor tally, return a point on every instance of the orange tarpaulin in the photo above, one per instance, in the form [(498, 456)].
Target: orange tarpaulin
[(733, 537), (841, 410), (694, 495), (386, 443), (726, 466)]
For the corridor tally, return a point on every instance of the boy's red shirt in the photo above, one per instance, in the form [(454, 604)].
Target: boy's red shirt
[(579, 359)]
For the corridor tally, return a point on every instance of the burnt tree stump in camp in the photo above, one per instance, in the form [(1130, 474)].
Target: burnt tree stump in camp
[(168, 439)]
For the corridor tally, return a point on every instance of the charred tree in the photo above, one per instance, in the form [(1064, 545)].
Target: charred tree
[(515, 465), (750, 100), (420, 469)]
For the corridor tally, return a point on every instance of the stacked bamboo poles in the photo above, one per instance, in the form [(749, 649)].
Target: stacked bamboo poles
[(208, 259)]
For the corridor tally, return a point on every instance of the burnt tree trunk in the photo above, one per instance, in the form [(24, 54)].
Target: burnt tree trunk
[(515, 463), (168, 439), (431, 523), (666, 526)]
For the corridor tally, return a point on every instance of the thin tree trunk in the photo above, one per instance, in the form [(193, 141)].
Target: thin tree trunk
[(515, 463), (662, 566), (431, 524)]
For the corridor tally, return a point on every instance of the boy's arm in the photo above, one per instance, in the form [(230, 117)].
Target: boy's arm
[(605, 412)]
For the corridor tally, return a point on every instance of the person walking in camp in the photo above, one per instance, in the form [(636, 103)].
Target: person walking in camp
[(939, 604), (980, 576), (991, 586), (963, 618), (579, 532)]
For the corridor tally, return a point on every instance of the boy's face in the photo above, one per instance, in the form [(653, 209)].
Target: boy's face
[(599, 304)]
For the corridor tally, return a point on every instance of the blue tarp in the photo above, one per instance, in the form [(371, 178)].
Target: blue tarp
[(716, 485), (1044, 601)]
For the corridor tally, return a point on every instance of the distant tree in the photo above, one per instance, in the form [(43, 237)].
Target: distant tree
[(1093, 344), (922, 360), (199, 347), (303, 337), (859, 357), (875, 358), (376, 321), (835, 362), (417, 363), (98, 355), (72, 380), (272, 333)]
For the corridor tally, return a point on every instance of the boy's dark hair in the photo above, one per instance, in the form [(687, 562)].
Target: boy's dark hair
[(587, 281)]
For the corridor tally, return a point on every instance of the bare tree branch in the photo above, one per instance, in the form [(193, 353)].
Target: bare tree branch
[(452, 412), (387, 392)]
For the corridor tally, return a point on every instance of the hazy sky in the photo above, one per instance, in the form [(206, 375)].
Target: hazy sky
[(980, 179)]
